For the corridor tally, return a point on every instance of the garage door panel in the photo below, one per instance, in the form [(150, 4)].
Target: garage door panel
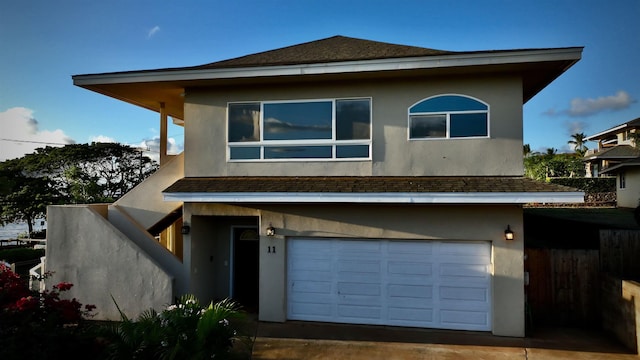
[(464, 272), (301, 310), (371, 266), (417, 248), (347, 288), (411, 315), (359, 300), (432, 284), (317, 287), (359, 312), (410, 268), (410, 291), (463, 293)]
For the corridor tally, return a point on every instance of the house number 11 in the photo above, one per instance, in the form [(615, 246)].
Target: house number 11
[(271, 249)]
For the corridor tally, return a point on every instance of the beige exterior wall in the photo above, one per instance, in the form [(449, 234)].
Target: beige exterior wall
[(629, 197), (393, 153), (83, 248), (145, 203), (210, 252)]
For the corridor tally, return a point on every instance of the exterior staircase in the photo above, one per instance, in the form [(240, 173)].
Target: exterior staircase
[(119, 253)]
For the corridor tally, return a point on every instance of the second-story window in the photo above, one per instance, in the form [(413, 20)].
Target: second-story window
[(448, 116), (335, 129)]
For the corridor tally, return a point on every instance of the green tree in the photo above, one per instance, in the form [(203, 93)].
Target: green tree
[(24, 198), (578, 143), (550, 165), (77, 173)]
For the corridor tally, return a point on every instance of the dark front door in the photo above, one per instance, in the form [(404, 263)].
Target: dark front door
[(245, 267)]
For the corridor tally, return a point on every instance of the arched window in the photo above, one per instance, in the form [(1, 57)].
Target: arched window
[(448, 116)]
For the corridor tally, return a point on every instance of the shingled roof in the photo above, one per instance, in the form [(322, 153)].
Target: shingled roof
[(371, 189), (333, 49), (363, 184)]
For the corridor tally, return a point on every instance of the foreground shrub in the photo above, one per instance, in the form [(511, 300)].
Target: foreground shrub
[(39, 325), (181, 331)]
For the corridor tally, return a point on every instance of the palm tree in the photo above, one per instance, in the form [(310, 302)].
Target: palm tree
[(578, 143), (526, 149)]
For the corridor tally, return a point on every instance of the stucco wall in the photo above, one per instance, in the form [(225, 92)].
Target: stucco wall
[(629, 197), (83, 248), (393, 153), (460, 223), (145, 203)]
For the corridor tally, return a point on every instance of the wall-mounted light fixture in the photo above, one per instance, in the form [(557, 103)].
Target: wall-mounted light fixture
[(271, 231), (508, 234), (185, 229)]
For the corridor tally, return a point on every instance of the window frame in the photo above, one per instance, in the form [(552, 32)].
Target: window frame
[(447, 114), (263, 144)]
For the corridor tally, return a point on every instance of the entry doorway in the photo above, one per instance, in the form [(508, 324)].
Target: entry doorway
[(245, 255)]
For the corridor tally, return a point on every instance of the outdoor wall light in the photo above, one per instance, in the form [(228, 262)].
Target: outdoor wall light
[(185, 229), (508, 234), (271, 231)]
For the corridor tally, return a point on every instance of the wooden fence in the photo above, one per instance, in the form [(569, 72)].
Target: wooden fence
[(564, 285)]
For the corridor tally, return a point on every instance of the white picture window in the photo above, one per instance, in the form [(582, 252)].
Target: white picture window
[(335, 129)]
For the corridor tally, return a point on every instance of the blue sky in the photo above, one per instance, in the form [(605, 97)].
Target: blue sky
[(43, 43)]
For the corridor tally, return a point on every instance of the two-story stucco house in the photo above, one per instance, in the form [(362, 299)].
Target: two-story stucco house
[(615, 146), (339, 180), (618, 155)]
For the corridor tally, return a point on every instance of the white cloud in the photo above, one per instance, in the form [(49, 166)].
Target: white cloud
[(21, 134), (153, 146), (585, 107), (102, 139), (153, 31)]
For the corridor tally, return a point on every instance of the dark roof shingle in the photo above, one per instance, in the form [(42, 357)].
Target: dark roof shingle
[(363, 184), (333, 49)]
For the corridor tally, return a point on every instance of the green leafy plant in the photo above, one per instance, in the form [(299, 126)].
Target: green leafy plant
[(184, 330), (40, 325)]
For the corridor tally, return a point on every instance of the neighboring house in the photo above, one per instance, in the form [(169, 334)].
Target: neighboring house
[(615, 145), (339, 180), (617, 155)]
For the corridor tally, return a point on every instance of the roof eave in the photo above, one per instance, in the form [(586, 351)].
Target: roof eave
[(379, 198), (391, 64)]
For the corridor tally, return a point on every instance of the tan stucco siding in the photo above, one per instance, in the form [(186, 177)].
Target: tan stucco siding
[(414, 222), (393, 153), (83, 248), (629, 197)]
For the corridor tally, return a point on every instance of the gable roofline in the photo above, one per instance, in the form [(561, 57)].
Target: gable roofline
[(614, 130), (332, 58), (633, 163)]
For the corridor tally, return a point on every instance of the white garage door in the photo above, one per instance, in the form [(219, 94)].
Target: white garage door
[(429, 284)]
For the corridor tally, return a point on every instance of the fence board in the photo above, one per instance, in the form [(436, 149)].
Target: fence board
[(563, 287)]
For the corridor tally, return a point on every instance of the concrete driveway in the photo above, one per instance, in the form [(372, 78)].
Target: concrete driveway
[(307, 340)]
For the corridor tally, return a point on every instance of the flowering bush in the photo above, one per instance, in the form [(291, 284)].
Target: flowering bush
[(33, 324), (184, 330)]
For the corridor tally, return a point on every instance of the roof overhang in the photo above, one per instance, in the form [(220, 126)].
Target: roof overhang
[(379, 198), (149, 88), (370, 190)]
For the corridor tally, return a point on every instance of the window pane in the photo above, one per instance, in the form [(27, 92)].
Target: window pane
[(244, 122), (448, 103), (463, 125), (297, 152), (240, 153), (295, 121), (352, 151), (353, 119), (428, 126)]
